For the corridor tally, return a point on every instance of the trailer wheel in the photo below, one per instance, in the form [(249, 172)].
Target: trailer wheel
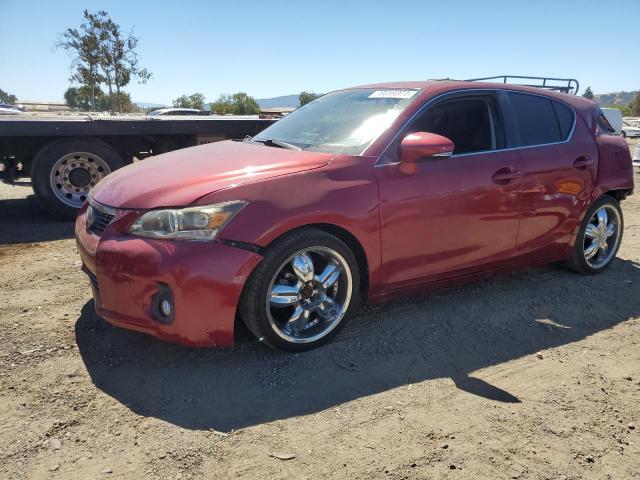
[(63, 172)]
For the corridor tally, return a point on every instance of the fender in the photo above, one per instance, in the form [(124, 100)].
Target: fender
[(342, 194), (615, 172)]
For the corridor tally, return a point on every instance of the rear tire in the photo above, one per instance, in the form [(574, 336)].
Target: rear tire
[(63, 198), (598, 230), (302, 292)]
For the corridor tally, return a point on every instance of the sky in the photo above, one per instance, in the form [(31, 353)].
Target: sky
[(272, 48)]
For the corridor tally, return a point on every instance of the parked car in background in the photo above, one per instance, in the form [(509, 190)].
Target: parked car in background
[(6, 109), (631, 128), (636, 156), (365, 193), (615, 118), (176, 111)]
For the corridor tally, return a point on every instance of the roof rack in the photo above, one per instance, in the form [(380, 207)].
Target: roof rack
[(564, 85)]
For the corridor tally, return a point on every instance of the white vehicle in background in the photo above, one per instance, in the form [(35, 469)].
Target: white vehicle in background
[(176, 111), (615, 118), (636, 155), (631, 128), (6, 109), (9, 111)]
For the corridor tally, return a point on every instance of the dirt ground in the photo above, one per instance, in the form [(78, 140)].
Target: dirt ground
[(534, 375)]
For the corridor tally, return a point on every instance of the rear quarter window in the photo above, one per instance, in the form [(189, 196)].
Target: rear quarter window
[(565, 117), (541, 120), (603, 124)]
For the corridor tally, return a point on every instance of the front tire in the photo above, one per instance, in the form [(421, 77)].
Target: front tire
[(599, 237), (301, 293)]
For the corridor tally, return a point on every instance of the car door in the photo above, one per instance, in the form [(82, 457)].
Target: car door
[(450, 215), (559, 165)]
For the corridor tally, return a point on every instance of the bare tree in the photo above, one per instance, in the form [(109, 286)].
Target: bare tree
[(102, 54), (121, 62), (84, 46)]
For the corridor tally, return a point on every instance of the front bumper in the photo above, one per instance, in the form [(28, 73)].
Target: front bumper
[(205, 278)]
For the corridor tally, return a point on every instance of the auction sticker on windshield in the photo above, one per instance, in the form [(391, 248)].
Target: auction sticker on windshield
[(393, 94)]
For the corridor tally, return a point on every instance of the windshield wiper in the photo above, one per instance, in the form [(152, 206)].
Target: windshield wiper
[(272, 142)]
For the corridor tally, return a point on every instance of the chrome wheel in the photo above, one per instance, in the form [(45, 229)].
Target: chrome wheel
[(73, 175), (602, 236), (309, 295)]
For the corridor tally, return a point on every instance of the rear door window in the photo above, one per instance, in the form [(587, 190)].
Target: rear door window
[(541, 120)]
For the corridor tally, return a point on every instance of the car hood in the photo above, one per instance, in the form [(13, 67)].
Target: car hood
[(180, 177)]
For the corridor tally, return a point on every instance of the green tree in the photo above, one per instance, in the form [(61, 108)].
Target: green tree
[(625, 109), (77, 98), (124, 102), (192, 101), (222, 106), (306, 97), (81, 98), (588, 93), (245, 104), (634, 106), (7, 97), (237, 104)]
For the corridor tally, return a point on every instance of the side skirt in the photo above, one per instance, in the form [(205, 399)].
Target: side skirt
[(465, 278)]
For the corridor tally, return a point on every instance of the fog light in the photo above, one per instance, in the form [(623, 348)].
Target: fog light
[(162, 306), (165, 307)]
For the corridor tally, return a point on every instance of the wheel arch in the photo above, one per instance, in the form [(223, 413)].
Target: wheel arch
[(250, 317), (618, 194), (347, 237)]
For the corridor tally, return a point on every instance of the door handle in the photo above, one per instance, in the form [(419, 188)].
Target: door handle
[(583, 162), (505, 175)]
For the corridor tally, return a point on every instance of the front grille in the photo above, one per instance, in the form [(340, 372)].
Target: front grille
[(101, 219), (100, 222)]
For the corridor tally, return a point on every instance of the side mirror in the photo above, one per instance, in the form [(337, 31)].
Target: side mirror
[(419, 145)]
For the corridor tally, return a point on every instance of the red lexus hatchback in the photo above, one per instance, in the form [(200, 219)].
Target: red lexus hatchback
[(367, 192)]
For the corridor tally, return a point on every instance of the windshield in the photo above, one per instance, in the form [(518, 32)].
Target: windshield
[(347, 121)]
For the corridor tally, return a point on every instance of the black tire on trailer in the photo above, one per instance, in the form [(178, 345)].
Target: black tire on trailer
[(64, 170)]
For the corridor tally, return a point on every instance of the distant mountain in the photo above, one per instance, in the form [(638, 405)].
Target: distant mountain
[(616, 98), (289, 101)]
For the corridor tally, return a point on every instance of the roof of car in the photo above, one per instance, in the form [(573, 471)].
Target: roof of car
[(441, 86)]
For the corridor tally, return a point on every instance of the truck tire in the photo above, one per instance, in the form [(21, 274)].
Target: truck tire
[(64, 170)]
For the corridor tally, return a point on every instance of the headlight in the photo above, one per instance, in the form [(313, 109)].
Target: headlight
[(193, 223)]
